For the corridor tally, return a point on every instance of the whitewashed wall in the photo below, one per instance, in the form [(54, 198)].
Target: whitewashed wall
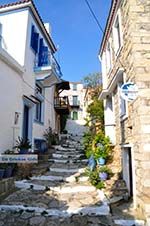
[(10, 102), (16, 34)]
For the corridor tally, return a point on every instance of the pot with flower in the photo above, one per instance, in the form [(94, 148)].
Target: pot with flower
[(104, 173), (23, 145), (102, 149), (2, 170)]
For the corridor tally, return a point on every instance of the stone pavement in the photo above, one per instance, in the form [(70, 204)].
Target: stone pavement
[(62, 196)]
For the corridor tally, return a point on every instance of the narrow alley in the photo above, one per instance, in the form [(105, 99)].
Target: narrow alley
[(62, 196)]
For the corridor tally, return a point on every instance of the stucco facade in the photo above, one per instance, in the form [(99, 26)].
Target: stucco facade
[(125, 57), (76, 122), (25, 83)]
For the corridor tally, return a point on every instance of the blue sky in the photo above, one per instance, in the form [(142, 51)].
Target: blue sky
[(75, 32)]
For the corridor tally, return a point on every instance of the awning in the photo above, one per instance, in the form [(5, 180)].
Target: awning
[(31, 99), (64, 85), (116, 79)]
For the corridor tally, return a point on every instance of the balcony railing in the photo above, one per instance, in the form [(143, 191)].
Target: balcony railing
[(75, 103), (47, 61), (61, 104)]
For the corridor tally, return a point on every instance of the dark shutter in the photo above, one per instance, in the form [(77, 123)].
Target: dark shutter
[(43, 54), (34, 39)]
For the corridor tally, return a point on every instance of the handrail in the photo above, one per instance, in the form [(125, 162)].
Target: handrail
[(61, 101)]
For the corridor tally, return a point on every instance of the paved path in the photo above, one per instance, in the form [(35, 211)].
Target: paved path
[(59, 197)]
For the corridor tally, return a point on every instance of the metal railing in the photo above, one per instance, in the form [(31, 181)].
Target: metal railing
[(61, 102), (51, 61)]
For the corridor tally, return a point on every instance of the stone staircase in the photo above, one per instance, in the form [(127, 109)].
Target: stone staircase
[(61, 196)]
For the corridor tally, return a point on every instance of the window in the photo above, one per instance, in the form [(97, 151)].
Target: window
[(75, 115), (74, 87), (39, 104), (38, 110), (117, 33), (123, 103), (34, 39), (108, 57), (75, 100)]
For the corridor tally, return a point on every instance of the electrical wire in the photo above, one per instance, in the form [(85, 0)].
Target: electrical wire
[(94, 16), (34, 90), (99, 26)]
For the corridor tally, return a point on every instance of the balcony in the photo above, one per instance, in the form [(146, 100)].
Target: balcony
[(46, 62), (61, 105), (75, 104)]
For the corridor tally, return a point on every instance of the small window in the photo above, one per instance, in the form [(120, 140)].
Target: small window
[(123, 104), (117, 34), (39, 104), (75, 115), (34, 39), (38, 111), (75, 100), (108, 57), (74, 87)]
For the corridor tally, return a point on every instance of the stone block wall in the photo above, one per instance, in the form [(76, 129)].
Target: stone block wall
[(134, 58)]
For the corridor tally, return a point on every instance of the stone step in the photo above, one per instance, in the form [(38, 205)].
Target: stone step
[(60, 178), (68, 161), (122, 222), (68, 165), (63, 170), (68, 152), (102, 210), (64, 156), (24, 184)]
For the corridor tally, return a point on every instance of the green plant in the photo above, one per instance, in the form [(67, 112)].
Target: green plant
[(3, 165), (105, 169), (22, 143), (101, 146), (87, 143), (94, 178), (48, 135), (9, 152)]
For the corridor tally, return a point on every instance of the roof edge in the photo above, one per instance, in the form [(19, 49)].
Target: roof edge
[(31, 5), (113, 7)]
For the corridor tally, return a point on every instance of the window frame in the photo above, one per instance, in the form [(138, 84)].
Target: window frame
[(39, 106), (77, 116), (117, 39)]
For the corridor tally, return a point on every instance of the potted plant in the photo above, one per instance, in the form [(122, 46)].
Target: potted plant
[(101, 148), (91, 163), (23, 145), (2, 170), (8, 170), (104, 173)]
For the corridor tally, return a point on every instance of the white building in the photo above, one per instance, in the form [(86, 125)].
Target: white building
[(76, 122), (28, 75)]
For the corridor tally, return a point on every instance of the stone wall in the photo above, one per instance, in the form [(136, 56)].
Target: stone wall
[(134, 130), (6, 186)]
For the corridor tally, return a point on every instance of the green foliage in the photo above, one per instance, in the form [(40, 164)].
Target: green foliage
[(22, 143), (50, 137), (95, 179), (87, 142), (101, 146), (63, 122), (105, 169), (96, 110), (92, 80)]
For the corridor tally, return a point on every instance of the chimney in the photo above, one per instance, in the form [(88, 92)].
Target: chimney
[(48, 28)]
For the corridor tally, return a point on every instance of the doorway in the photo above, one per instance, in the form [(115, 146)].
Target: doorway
[(128, 169), (26, 122)]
